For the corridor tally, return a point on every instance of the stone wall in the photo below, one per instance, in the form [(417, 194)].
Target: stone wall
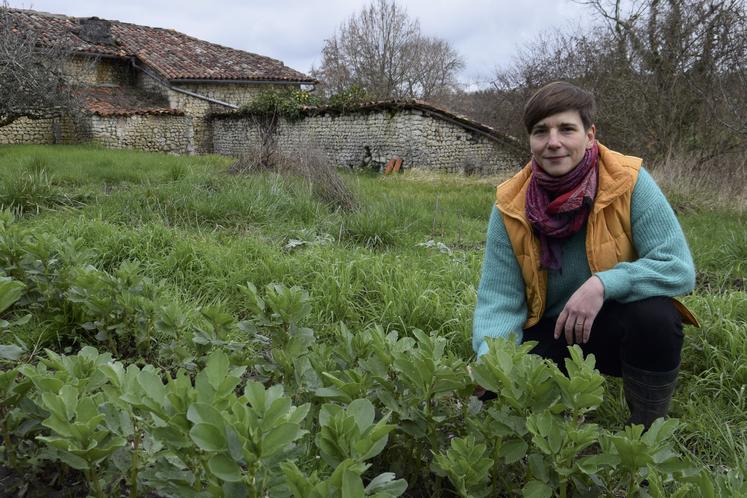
[(168, 132), (233, 93), (154, 133), (43, 131), (198, 109), (27, 131), (100, 71), (420, 138)]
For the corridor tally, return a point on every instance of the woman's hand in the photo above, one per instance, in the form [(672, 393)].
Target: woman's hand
[(580, 311)]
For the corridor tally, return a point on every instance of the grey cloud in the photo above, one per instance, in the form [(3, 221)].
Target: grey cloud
[(485, 32)]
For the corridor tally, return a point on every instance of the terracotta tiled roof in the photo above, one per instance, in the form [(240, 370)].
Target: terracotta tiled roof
[(174, 55), (123, 101)]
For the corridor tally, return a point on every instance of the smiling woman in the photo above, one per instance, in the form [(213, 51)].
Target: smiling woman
[(559, 142), (584, 248)]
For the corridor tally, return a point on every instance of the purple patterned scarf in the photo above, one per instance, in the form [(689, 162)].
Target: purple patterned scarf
[(572, 196)]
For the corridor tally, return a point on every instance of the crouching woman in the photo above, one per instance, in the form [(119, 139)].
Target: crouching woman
[(583, 248)]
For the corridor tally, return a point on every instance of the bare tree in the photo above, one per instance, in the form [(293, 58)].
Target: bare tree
[(669, 75), (689, 59), (434, 65), (382, 50), (33, 82)]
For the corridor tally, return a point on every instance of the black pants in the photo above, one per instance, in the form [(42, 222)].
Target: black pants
[(646, 334)]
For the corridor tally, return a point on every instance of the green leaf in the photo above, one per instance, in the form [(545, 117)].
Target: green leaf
[(23, 320), (10, 292), (235, 448), (386, 484), (256, 395), (115, 372), (352, 485), (217, 369), (704, 484), (69, 397), (363, 412), (152, 385), (11, 352), (277, 410), (73, 461), (298, 413), (327, 413), (536, 489), (87, 409), (235, 490), (538, 467), (198, 413), (208, 437), (660, 430), (591, 464), (332, 393), (58, 424), (278, 438), (224, 468), (513, 451), (125, 424), (374, 449), (97, 454)]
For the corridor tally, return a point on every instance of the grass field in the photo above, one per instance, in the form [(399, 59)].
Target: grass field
[(198, 234)]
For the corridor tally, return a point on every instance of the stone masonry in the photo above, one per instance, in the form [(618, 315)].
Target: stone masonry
[(43, 131), (150, 132), (237, 94), (144, 132), (422, 139), (417, 135), (134, 81)]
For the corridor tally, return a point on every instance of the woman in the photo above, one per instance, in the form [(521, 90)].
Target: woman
[(583, 248)]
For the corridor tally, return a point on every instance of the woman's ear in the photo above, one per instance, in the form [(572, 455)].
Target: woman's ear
[(590, 135)]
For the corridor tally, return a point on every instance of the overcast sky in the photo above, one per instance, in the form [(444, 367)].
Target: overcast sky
[(485, 32)]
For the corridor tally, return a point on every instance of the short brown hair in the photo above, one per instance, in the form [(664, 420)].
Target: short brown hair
[(559, 96)]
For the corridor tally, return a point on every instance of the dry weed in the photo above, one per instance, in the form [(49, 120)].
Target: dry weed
[(691, 184), (429, 176), (309, 163)]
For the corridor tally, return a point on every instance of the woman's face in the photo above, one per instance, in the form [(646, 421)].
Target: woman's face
[(558, 142)]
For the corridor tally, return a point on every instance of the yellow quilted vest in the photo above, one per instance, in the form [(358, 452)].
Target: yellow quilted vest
[(609, 237)]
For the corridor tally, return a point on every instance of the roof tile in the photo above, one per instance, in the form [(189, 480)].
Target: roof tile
[(123, 101), (173, 54)]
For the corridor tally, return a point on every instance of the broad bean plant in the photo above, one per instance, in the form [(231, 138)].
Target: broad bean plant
[(147, 396)]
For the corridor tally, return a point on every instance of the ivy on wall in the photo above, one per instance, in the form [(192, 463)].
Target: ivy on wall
[(295, 104), (289, 104)]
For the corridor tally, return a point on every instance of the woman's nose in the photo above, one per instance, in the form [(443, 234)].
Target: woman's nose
[(553, 139)]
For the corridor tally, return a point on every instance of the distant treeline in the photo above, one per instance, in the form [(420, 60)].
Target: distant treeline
[(670, 77)]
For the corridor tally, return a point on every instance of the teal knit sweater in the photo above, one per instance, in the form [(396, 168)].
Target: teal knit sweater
[(664, 268)]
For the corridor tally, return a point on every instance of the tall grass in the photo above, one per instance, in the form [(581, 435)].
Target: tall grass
[(202, 233), (692, 184), (33, 188)]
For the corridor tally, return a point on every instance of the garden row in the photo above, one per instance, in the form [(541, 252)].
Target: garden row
[(192, 401)]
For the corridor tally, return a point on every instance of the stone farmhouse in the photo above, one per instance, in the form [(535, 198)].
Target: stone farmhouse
[(160, 90), (143, 87)]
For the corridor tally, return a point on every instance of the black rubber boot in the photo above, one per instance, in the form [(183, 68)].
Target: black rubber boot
[(648, 393)]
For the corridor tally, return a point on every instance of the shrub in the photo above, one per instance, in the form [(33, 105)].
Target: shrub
[(309, 163)]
